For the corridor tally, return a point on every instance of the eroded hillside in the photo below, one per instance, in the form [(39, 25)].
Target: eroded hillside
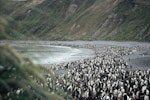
[(77, 19)]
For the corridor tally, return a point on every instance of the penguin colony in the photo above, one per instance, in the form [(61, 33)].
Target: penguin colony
[(104, 77)]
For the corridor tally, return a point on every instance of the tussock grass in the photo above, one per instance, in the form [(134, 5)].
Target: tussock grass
[(20, 79)]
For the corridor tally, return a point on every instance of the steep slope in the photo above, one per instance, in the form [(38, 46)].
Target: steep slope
[(78, 19)]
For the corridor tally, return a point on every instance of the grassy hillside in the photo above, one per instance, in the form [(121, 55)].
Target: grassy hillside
[(22, 80), (77, 19)]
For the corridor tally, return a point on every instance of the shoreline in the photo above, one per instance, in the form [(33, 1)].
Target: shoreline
[(51, 53), (135, 52), (131, 52)]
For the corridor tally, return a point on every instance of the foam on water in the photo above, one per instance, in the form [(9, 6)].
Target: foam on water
[(50, 54)]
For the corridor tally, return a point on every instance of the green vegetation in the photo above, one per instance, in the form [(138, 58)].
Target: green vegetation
[(3, 22), (136, 22), (20, 79), (77, 20)]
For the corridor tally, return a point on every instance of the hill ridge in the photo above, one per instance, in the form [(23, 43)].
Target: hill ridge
[(78, 20)]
